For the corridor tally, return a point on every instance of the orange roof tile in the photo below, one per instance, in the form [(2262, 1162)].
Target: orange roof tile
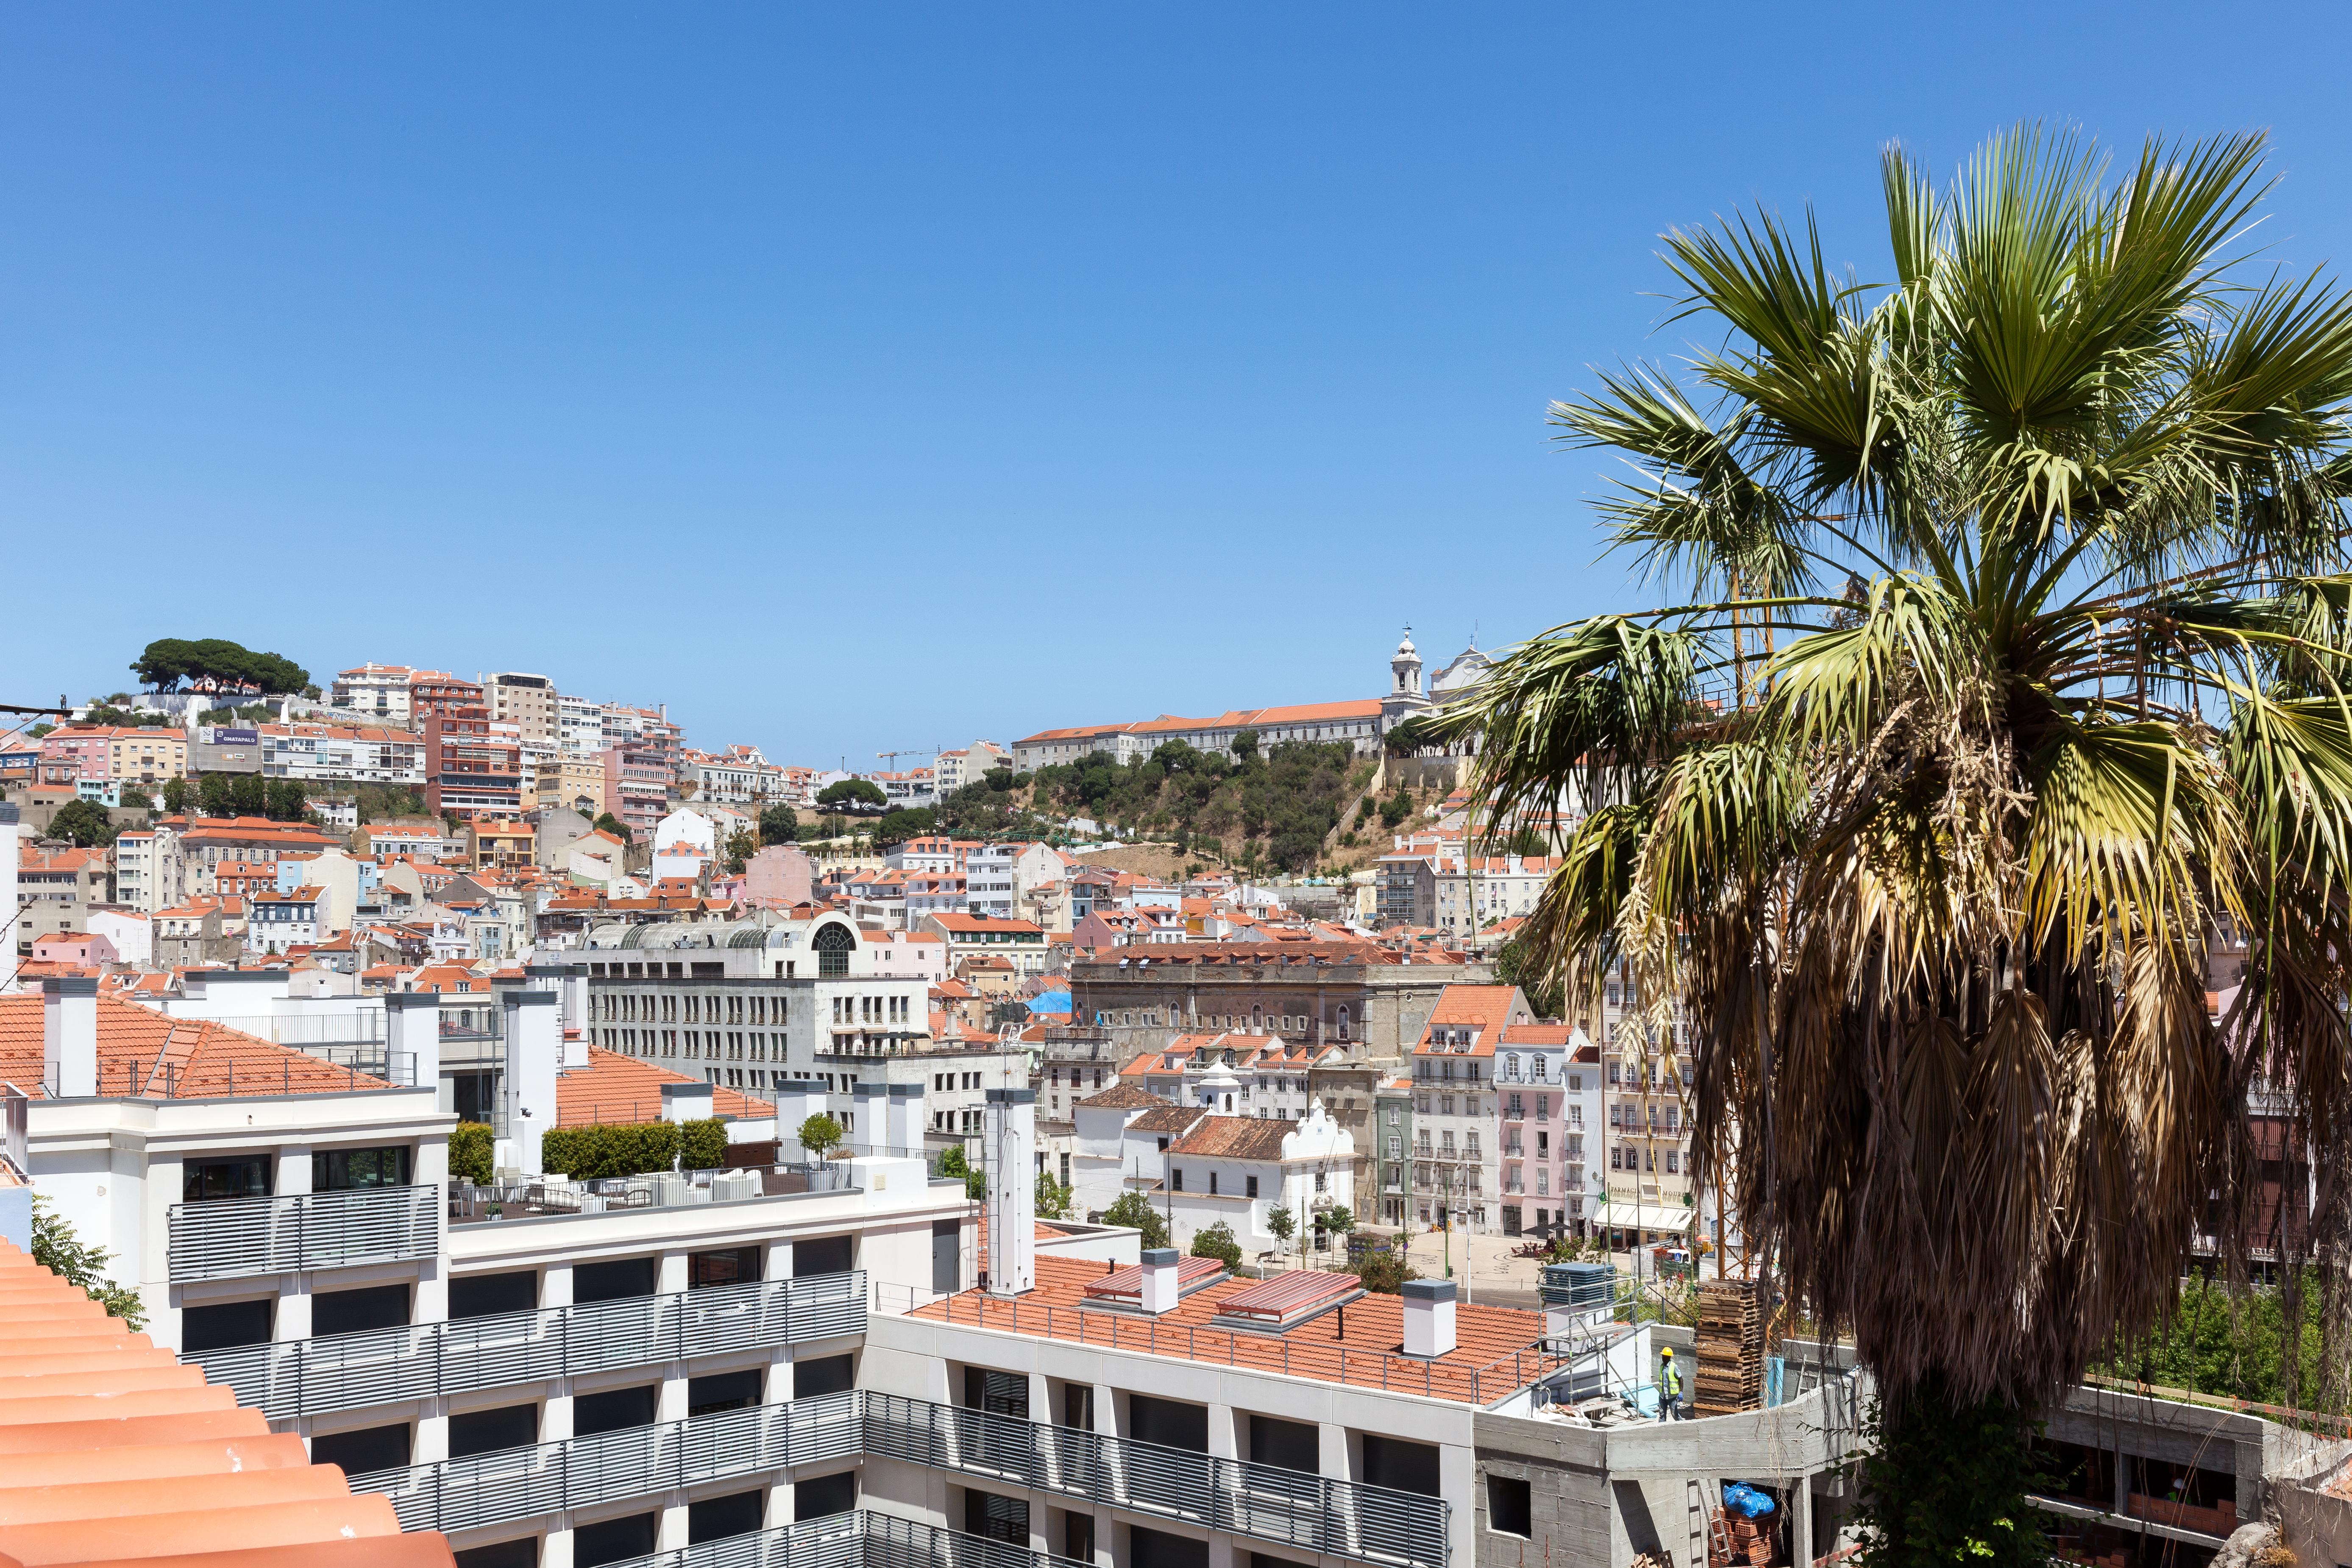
[(1495, 1347), (204, 1060), (117, 1453), (613, 1088)]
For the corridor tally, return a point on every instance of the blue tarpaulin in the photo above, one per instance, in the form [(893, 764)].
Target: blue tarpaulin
[(1050, 1002)]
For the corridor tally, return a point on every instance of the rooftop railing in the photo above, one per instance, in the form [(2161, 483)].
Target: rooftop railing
[(541, 1478), (384, 1366), (228, 1238), (1321, 1361), (1266, 1502)]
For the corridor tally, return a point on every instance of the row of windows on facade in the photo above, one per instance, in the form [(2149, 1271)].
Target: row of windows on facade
[(1622, 1157), (704, 1044), (1176, 1182), (1256, 1023), (1571, 1145)]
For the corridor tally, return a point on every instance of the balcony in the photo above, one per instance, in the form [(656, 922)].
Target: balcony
[(1265, 1502), (231, 1237), (352, 1372), (610, 1467), (858, 1540)]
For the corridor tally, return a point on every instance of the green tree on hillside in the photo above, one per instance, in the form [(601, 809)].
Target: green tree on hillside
[(83, 823), (853, 792), (167, 661), (779, 825)]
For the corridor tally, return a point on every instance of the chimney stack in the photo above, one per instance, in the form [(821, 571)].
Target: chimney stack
[(412, 1035), (1159, 1294), (1011, 1133), (570, 982), (907, 1118), (534, 1046), (872, 1132), (1429, 1317), (69, 1038), (797, 1100), (685, 1102)]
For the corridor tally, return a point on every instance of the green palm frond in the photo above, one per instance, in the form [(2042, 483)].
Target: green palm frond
[(1937, 894)]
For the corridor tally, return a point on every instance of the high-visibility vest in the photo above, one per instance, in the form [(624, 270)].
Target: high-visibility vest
[(1670, 1380)]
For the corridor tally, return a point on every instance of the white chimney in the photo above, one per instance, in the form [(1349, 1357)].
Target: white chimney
[(570, 982), (69, 1038), (412, 1035), (1159, 1294), (9, 908), (872, 1130), (1429, 1317), (1011, 1135), (906, 1115), (534, 1046), (797, 1100), (684, 1102)]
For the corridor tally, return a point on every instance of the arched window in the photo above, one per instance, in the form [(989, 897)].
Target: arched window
[(833, 945), (1343, 1023)]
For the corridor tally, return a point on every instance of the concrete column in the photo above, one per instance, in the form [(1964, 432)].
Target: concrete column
[(292, 1175), (431, 1440), (778, 1263), (555, 1415), (555, 1285), (555, 1548), (292, 1320), (1331, 1450), (669, 1532), (669, 1403), (778, 1387), (430, 1301), (669, 1272)]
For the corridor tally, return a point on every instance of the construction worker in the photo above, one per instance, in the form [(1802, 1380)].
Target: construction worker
[(1670, 1386)]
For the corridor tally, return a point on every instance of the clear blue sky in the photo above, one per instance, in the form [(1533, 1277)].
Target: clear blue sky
[(851, 377)]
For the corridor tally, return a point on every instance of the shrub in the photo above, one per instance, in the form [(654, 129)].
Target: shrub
[(1217, 1241), (633, 1149), (1383, 1273), (1135, 1211), (470, 1149)]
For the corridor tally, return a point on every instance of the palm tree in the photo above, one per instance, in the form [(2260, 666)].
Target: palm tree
[(2009, 673)]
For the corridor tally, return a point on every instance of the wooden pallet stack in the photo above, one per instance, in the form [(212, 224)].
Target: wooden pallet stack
[(1729, 1348)]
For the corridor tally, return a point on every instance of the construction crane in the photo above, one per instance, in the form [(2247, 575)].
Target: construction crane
[(892, 757)]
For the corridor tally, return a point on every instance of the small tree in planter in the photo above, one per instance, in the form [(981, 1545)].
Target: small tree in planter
[(820, 1135), (1283, 1223)]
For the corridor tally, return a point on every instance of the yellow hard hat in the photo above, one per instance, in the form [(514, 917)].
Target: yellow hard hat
[(1667, 1354)]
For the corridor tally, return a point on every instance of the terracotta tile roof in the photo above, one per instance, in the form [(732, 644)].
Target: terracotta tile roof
[(1121, 1097), (613, 1088), (116, 1452), (1480, 1006), (203, 1061), (1234, 1138), (1173, 1119), (1538, 1034), (1494, 1350)]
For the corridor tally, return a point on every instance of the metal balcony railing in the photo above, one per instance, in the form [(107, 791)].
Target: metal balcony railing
[(234, 1237), (1266, 1502), (637, 1461), (857, 1540), (386, 1366)]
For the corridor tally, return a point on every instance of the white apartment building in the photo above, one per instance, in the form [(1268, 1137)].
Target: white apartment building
[(547, 1372), (150, 875), (378, 688), (337, 754), (1471, 893), (991, 885), (1548, 1104), (950, 771), (579, 726), (1651, 1198), (740, 775)]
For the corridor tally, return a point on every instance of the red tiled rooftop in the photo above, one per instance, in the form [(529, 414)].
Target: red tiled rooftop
[(117, 1453), (613, 1088), (203, 1061), (1361, 1344)]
